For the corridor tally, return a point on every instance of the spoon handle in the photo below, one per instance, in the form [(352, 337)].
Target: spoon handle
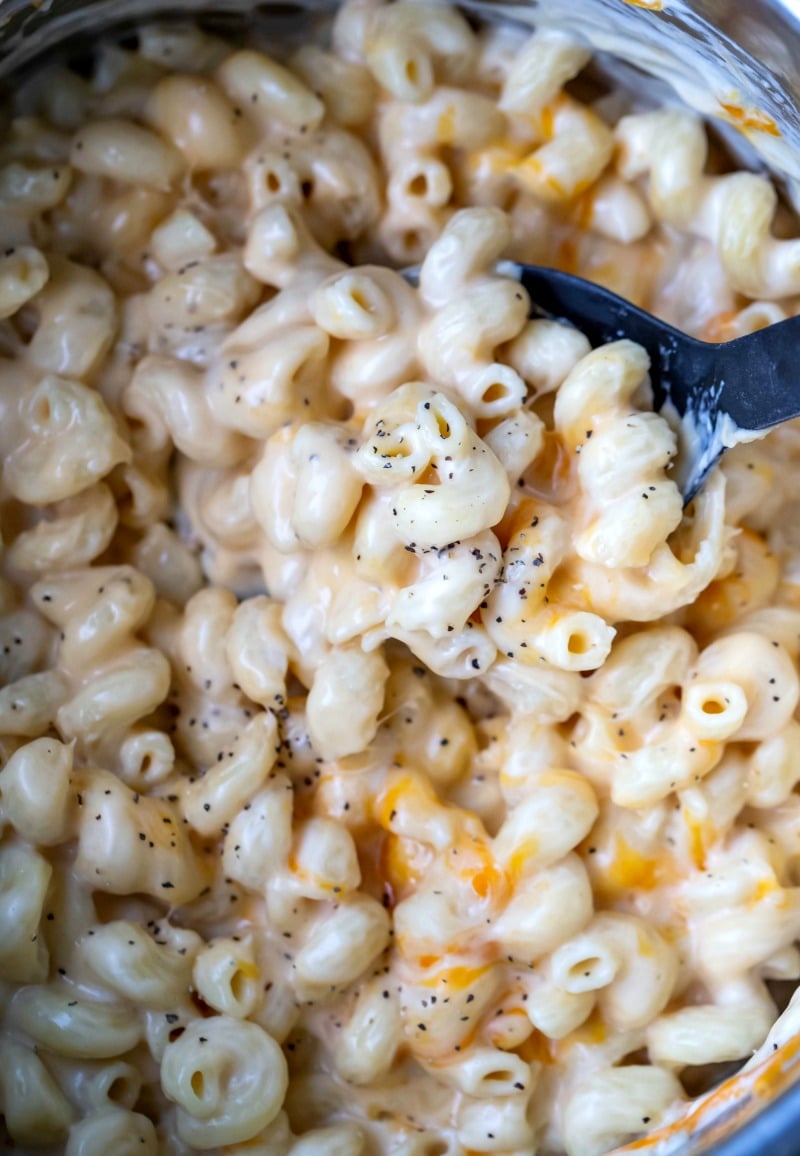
[(762, 375), (604, 317), (754, 379)]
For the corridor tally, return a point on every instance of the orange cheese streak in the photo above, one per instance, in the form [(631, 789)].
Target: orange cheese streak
[(537, 1049), (402, 864), (628, 870), (477, 866), (729, 1106), (520, 858), (458, 977), (445, 125), (748, 118), (534, 167), (487, 881), (701, 835), (592, 1031), (764, 887), (385, 805), (547, 117), (583, 209), (749, 586), (567, 256), (409, 791)]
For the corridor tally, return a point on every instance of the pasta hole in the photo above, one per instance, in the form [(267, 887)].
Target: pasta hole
[(400, 450), (410, 240), (307, 189), (359, 298), (201, 1005), (198, 1084), (120, 1090), (129, 41), (418, 185), (238, 986), (44, 411), (713, 706), (175, 1034), (511, 200), (494, 392), (503, 1076), (430, 477), (137, 427), (683, 541), (411, 71), (435, 1148), (584, 968), (572, 726), (126, 506), (26, 322), (578, 644), (379, 1115), (442, 425), (273, 182)]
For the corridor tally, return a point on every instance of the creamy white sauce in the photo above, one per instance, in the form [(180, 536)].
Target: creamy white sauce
[(702, 436)]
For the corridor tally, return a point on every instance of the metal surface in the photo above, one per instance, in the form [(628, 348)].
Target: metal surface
[(735, 60), (30, 29)]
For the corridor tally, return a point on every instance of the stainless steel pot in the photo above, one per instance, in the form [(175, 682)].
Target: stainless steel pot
[(734, 60), (737, 61)]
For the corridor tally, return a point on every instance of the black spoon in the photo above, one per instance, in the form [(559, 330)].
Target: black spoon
[(751, 383)]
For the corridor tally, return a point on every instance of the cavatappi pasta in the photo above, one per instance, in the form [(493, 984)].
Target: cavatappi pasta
[(389, 763)]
